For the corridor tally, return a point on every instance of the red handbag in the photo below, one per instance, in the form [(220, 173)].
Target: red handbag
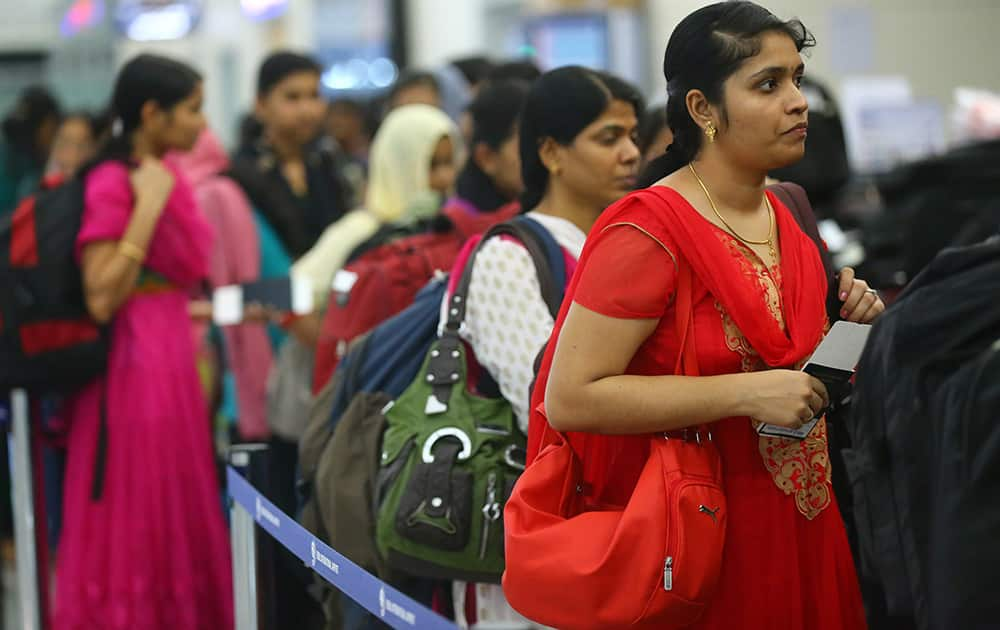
[(653, 564)]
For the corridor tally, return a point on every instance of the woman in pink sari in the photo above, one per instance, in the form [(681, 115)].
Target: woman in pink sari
[(144, 545)]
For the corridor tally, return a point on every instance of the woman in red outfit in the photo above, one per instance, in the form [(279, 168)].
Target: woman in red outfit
[(733, 72)]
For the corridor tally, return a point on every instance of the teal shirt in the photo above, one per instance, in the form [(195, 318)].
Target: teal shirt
[(18, 178), (274, 263)]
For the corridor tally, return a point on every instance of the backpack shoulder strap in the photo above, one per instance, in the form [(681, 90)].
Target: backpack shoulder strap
[(795, 199), (552, 291), (550, 266), (545, 253)]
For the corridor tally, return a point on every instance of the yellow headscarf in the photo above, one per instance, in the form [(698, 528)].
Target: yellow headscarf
[(398, 190), (400, 161)]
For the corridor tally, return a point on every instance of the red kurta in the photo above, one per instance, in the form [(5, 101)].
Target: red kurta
[(787, 564)]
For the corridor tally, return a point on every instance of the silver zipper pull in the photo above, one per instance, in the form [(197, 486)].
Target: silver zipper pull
[(490, 513), (668, 574)]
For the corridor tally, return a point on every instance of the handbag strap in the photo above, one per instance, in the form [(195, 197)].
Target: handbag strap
[(687, 359)]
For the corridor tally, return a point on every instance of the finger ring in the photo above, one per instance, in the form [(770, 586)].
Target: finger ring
[(872, 291)]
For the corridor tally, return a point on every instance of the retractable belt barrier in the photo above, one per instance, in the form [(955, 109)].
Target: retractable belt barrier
[(249, 507), (382, 600)]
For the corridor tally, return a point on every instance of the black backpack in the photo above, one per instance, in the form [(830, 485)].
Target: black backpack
[(925, 456), (48, 341), (950, 200)]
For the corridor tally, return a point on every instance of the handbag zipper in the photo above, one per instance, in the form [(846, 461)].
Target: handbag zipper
[(668, 573)]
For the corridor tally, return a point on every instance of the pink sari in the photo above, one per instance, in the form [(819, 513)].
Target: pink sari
[(152, 552)]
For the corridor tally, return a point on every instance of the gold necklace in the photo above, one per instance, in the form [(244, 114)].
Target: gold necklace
[(769, 241)]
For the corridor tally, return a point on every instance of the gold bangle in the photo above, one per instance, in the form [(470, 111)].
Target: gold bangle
[(132, 252)]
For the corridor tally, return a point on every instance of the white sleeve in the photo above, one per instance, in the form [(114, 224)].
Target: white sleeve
[(507, 321)]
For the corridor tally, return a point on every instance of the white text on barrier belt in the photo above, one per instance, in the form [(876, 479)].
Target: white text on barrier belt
[(382, 600)]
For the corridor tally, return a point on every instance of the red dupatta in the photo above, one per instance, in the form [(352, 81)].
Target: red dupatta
[(666, 215), (803, 290)]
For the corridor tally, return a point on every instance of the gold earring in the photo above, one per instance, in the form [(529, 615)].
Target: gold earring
[(710, 131)]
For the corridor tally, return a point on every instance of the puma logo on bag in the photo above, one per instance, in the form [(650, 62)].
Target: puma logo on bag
[(710, 512)]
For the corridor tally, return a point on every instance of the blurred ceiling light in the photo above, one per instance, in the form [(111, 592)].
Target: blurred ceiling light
[(263, 9), (382, 72), (358, 69), (157, 20), (338, 77), (359, 74), (167, 23)]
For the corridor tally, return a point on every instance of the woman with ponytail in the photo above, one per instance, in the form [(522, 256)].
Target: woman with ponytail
[(144, 545), (757, 312), (578, 156)]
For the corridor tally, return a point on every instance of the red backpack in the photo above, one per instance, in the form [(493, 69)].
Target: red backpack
[(383, 281)]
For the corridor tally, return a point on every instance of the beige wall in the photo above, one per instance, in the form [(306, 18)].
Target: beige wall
[(440, 30), (29, 24), (937, 44), (228, 48)]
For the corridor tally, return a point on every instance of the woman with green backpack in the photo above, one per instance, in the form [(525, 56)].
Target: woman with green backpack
[(578, 156), (454, 440)]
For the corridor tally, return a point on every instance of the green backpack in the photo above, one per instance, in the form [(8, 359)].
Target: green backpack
[(450, 458)]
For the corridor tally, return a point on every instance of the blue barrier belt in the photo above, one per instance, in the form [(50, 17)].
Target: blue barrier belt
[(382, 600)]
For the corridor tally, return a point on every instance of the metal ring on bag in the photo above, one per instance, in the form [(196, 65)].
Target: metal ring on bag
[(432, 439), (508, 457)]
